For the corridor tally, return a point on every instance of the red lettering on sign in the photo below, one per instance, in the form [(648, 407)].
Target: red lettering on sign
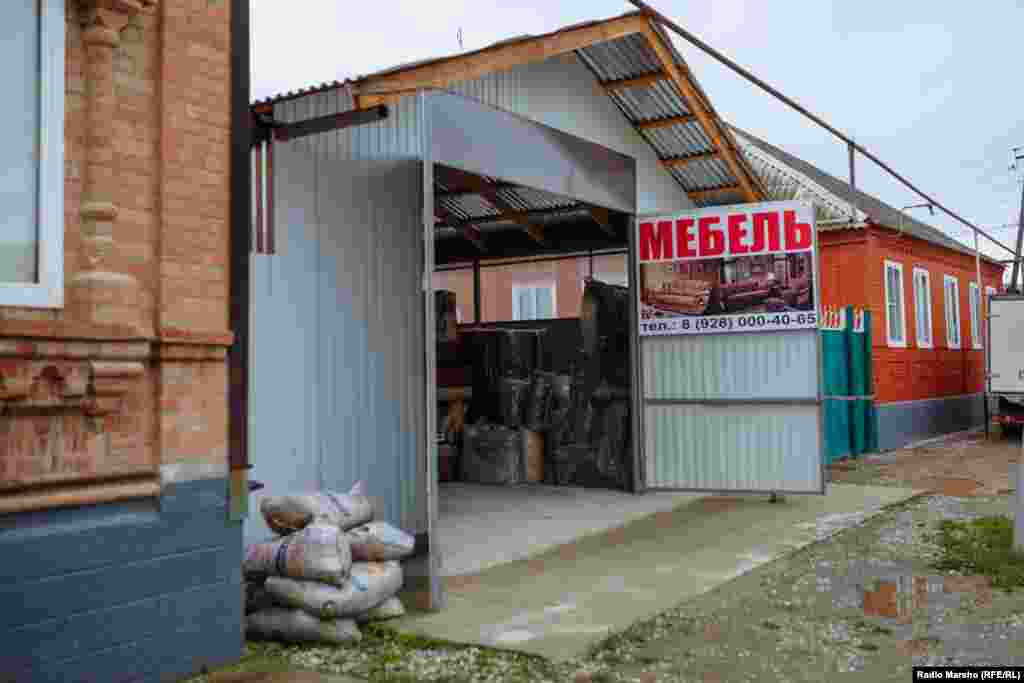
[(764, 225), (736, 234), (684, 237), (798, 235), (654, 246), (711, 241)]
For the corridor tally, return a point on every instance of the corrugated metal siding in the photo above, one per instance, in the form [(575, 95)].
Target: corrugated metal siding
[(762, 365), (736, 446), (356, 410), (700, 447)]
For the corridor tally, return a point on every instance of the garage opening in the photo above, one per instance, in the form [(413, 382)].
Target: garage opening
[(533, 339)]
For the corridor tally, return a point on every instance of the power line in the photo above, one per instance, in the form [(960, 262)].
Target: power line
[(694, 40)]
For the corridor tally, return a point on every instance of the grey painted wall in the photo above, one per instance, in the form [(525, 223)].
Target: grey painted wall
[(900, 424), (563, 93), (136, 591)]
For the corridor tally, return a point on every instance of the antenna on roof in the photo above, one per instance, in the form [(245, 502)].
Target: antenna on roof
[(459, 36)]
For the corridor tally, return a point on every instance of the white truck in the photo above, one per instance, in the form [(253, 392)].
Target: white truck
[(1006, 382), (1005, 341)]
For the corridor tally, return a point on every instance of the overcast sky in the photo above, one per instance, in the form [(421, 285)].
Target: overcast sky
[(933, 88)]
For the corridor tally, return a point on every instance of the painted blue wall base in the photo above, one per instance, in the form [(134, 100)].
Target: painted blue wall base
[(135, 591), (900, 424)]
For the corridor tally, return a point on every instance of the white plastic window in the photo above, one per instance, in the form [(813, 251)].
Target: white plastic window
[(32, 156), (975, 301), (951, 292), (923, 307), (895, 315), (533, 302)]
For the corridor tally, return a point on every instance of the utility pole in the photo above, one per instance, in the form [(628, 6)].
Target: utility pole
[(1017, 156)]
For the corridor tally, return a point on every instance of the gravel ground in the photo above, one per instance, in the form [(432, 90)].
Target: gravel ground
[(865, 601)]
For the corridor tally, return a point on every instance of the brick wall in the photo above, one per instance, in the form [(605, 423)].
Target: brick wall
[(131, 374)]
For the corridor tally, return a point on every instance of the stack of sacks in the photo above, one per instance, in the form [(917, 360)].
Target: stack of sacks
[(332, 568)]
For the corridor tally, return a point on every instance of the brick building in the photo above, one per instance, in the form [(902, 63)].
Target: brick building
[(114, 334)]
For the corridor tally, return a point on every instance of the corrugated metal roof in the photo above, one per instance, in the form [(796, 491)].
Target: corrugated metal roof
[(631, 56), (869, 206)]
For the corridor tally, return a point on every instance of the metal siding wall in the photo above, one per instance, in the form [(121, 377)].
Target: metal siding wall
[(772, 365), (284, 373), (362, 320), (563, 93), (685, 443)]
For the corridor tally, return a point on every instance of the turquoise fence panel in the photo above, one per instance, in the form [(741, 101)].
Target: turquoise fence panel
[(835, 351), (859, 407), (871, 440)]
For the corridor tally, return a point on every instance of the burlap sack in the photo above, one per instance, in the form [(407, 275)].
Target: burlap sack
[(320, 552), (294, 625), (389, 609), (369, 584), (287, 514), (379, 542)]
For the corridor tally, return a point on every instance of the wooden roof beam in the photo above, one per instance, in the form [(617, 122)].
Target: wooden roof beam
[(443, 72), (603, 218), (695, 104), (667, 122), (637, 82), (682, 161), (469, 231), (711, 192), (490, 193)]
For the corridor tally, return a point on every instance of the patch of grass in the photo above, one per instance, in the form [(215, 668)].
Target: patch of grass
[(982, 546)]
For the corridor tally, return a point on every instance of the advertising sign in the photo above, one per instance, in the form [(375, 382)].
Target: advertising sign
[(739, 268)]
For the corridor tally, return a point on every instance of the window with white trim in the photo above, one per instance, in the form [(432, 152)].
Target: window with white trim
[(895, 315), (975, 303), (951, 296), (32, 156), (533, 302), (923, 307)]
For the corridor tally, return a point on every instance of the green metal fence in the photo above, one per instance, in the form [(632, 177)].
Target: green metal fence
[(851, 423)]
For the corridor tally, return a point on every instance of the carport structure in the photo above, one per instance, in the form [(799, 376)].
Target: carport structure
[(546, 144)]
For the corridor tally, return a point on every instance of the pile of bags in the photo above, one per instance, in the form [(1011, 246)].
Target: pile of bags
[(332, 568)]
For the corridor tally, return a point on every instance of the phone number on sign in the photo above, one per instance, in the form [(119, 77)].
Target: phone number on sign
[(731, 323)]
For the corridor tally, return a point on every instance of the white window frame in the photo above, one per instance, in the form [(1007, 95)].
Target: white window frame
[(516, 313), (895, 342), (923, 342), (974, 302), (48, 292), (950, 342)]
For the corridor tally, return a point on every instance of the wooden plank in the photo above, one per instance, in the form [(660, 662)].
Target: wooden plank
[(713, 191), (443, 72), (682, 161), (695, 104), (603, 218), (636, 82), (666, 122)]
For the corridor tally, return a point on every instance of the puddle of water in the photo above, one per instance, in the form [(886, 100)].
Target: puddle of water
[(514, 637)]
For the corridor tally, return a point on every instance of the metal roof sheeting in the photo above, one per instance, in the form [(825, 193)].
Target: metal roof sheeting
[(629, 56), (817, 182)]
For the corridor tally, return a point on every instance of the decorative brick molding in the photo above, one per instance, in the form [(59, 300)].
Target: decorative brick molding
[(73, 413), (101, 291)]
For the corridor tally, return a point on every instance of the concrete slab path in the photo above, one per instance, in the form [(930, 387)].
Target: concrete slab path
[(563, 601)]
